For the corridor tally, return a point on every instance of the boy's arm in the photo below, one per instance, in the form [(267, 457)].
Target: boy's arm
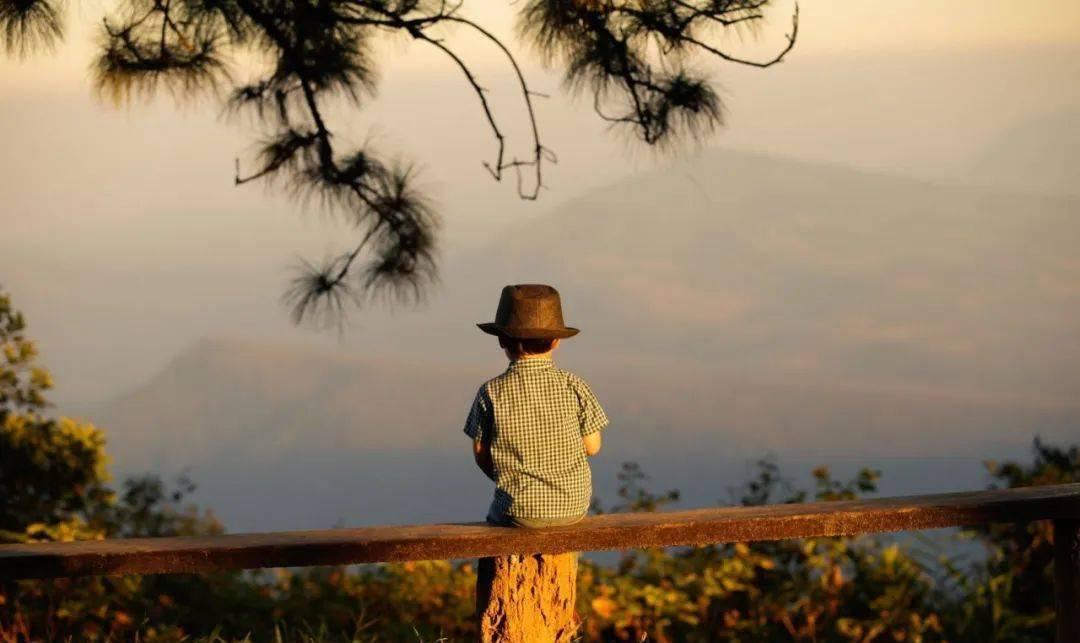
[(482, 455), (593, 418), (478, 427)]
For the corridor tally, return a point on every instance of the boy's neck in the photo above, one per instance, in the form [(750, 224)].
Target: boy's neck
[(533, 357)]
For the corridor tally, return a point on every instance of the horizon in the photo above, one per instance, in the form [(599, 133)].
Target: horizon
[(824, 294), (887, 213)]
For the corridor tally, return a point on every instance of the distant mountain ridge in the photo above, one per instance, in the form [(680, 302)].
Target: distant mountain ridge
[(786, 269), (258, 401), (731, 305), (1039, 155), (225, 403), (728, 267)]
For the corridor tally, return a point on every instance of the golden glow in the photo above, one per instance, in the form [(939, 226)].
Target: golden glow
[(841, 25), (827, 26)]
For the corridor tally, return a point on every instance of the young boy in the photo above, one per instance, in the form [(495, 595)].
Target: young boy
[(534, 426)]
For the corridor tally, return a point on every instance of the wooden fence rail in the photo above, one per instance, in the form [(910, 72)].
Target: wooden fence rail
[(1059, 503)]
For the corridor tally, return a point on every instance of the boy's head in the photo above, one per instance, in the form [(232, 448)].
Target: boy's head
[(519, 348), (529, 320)]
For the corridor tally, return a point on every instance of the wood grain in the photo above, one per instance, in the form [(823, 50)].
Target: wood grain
[(476, 540), (527, 599)]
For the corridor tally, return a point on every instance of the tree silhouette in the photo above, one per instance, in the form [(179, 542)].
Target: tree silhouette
[(633, 56)]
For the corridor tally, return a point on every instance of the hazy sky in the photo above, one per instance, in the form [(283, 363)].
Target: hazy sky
[(828, 26), (125, 240)]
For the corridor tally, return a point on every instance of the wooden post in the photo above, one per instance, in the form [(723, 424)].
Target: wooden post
[(1067, 579), (527, 598)]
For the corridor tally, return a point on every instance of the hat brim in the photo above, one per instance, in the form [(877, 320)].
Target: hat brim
[(492, 328)]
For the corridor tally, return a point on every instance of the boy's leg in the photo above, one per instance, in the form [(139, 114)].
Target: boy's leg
[(540, 523), (497, 520)]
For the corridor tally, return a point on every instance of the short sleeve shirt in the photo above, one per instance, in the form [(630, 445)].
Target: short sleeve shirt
[(534, 417)]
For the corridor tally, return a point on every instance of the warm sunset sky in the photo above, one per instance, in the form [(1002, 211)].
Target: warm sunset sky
[(127, 218), (828, 26), (876, 255)]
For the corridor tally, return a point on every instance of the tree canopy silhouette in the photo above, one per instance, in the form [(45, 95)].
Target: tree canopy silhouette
[(633, 56)]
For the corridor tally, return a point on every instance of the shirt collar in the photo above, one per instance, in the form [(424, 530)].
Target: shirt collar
[(531, 363)]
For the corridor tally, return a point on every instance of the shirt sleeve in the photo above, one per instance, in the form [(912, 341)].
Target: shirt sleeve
[(478, 424), (592, 415)]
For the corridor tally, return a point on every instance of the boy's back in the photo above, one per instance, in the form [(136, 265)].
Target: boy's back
[(533, 418)]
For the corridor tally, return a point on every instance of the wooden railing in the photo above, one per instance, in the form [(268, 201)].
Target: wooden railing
[(1059, 503)]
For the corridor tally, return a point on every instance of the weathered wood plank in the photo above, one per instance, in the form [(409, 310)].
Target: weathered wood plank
[(476, 540)]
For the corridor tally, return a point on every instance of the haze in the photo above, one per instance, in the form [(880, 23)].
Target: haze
[(875, 259)]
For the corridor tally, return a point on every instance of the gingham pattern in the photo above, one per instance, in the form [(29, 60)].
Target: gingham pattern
[(534, 416)]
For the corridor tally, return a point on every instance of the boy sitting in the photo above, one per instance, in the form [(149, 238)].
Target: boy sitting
[(533, 426)]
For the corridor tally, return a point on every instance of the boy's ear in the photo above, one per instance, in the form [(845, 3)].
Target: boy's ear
[(554, 343)]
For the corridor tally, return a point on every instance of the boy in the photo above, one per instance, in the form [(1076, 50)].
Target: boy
[(534, 426)]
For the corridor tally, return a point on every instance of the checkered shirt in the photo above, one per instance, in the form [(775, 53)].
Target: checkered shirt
[(534, 417)]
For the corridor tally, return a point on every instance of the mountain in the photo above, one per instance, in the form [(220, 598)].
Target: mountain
[(288, 437), (242, 402), (753, 265), (731, 305), (257, 400), (1036, 154)]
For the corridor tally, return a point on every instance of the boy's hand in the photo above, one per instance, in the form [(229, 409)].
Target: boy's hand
[(482, 454), (592, 443)]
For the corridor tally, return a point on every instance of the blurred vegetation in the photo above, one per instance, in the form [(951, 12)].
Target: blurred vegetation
[(989, 584)]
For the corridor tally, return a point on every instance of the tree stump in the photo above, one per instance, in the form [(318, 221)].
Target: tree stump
[(527, 598)]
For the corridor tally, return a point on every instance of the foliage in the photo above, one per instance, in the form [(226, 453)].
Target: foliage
[(816, 589), (52, 471), (633, 495), (633, 56), (820, 589), (864, 589), (1009, 596)]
